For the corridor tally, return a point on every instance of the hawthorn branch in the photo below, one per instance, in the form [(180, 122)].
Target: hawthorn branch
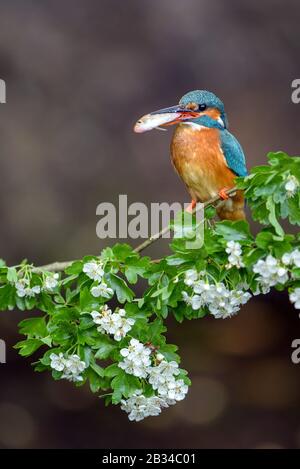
[(61, 266), (53, 267)]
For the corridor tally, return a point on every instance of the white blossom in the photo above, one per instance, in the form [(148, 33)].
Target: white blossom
[(190, 277), (94, 270), (220, 301), (287, 258), (291, 258), (116, 324), (295, 298), (74, 365), (51, 282), (136, 359), (194, 301), (271, 272), (72, 378), (57, 362), (102, 290), (23, 288), (173, 390), (138, 406), (159, 375), (159, 357), (71, 366), (234, 252), (291, 186), (296, 257), (162, 378)]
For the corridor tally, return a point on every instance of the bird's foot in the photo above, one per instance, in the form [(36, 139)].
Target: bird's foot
[(222, 193), (191, 206)]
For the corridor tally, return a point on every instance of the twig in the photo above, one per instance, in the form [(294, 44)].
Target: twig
[(53, 267), (61, 266)]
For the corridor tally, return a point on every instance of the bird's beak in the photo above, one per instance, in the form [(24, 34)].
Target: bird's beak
[(179, 113), (164, 117)]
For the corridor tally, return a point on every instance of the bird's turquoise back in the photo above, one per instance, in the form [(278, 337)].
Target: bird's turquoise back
[(233, 153)]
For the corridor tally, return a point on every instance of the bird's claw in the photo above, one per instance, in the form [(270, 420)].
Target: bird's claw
[(223, 194), (191, 206)]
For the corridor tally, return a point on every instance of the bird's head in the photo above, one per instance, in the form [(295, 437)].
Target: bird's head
[(199, 107)]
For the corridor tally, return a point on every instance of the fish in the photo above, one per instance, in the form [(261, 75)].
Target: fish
[(155, 120)]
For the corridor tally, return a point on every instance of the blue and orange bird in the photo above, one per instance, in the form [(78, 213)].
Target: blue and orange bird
[(204, 153)]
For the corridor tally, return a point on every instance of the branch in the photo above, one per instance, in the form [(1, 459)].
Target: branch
[(61, 266), (53, 267)]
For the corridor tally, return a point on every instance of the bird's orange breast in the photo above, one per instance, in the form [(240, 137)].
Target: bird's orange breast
[(197, 156)]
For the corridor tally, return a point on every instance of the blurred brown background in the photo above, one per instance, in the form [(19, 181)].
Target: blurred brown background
[(78, 74)]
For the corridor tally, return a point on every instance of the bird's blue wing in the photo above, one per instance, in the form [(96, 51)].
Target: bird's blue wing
[(233, 153)]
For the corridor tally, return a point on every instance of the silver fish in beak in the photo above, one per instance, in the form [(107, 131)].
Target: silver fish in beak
[(163, 117), (153, 121)]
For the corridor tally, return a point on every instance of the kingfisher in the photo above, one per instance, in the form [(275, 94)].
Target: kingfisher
[(204, 153)]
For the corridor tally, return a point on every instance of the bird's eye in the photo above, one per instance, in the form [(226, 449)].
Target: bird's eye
[(202, 107)]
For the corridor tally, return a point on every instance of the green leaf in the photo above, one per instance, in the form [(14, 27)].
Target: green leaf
[(105, 348), (123, 292), (122, 251), (169, 352), (28, 347), (34, 327), (95, 380), (97, 369), (272, 216), (124, 385), (87, 301), (75, 268), (264, 239), (112, 370), (135, 268), (7, 297), (233, 230), (45, 303), (12, 275)]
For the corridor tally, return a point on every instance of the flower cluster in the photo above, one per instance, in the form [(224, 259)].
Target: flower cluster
[(95, 271), (292, 258), (115, 324), (24, 289), (295, 297), (162, 377), (139, 406), (234, 252), (102, 290), (50, 282), (220, 301), (136, 359), (71, 366), (291, 186), (271, 271)]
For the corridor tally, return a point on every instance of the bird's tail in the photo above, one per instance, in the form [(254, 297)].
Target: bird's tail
[(233, 208)]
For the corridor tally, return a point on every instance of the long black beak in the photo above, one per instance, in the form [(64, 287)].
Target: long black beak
[(172, 110)]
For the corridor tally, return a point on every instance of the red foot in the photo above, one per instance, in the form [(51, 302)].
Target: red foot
[(191, 206), (222, 193)]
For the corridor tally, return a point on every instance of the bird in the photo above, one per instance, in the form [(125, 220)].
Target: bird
[(204, 153)]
